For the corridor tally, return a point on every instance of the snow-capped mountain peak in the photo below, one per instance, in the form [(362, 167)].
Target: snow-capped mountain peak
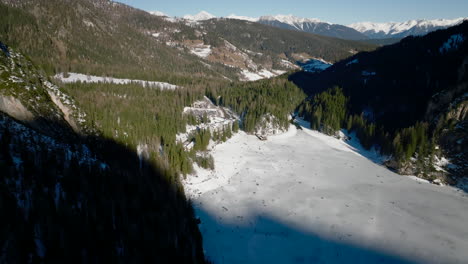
[(290, 19), (246, 18), (203, 15), (158, 13), (403, 29)]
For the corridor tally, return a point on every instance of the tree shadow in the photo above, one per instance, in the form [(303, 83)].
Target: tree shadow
[(69, 198), (265, 239)]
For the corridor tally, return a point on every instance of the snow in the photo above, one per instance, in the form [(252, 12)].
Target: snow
[(368, 73), (203, 15), (262, 74), (218, 118), (158, 13), (88, 23), (201, 51), (316, 65), (251, 19), (291, 20), (452, 43), (394, 28), (78, 77), (304, 197), (355, 61)]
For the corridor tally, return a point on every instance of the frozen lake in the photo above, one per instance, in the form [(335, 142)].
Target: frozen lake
[(304, 197)]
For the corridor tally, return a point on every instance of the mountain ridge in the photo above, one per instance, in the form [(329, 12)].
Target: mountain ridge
[(404, 29)]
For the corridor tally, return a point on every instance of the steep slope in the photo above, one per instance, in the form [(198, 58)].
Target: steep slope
[(100, 37), (418, 84), (105, 38), (271, 43), (312, 26), (403, 29), (69, 195)]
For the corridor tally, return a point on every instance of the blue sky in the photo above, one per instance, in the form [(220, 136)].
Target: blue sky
[(335, 11)]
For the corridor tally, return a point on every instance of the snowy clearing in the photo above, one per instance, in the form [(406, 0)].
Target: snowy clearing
[(202, 51), (79, 77), (263, 74), (304, 197)]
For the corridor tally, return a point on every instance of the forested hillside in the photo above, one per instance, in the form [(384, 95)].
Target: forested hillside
[(107, 38), (282, 42), (97, 37), (408, 98), (69, 193)]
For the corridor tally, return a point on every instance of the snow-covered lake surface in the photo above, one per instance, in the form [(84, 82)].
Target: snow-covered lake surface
[(303, 197)]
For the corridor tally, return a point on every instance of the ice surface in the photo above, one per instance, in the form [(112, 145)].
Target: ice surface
[(304, 197)]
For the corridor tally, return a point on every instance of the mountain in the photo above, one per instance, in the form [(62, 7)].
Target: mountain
[(403, 29), (246, 18), (203, 15), (419, 84), (312, 26), (158, 13), (105, 38)]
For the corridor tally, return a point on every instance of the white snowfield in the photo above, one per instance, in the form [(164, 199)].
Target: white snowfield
[(79, 77), (247, 75), (304, 197), (202, 51)]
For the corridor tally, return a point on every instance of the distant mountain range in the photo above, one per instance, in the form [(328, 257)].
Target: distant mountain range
[(403, 29), (355, 31), (312, 26)]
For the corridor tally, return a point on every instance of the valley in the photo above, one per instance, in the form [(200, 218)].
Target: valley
[(131, 136)]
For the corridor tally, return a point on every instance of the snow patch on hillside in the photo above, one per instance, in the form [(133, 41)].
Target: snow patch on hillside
[(218, 118), (315, 65), (452, 43), (355, 61), (202, 51), (262, 74), (79, 77)]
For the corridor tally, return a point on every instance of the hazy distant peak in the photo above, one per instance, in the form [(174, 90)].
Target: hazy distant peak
[(246, 18), (290, 19), (203, 15), (158, 13), (402, 29)]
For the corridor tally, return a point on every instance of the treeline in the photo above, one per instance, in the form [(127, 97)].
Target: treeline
[(253, 100), (328, 112)]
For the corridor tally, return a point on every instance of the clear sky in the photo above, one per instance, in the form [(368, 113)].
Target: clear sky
[(335, 11)]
